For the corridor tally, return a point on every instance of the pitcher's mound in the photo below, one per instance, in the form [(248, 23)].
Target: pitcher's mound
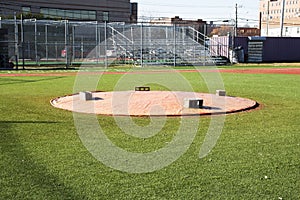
[(152, 103)]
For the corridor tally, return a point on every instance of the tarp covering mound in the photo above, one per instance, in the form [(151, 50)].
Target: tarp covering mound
[(152, 103)]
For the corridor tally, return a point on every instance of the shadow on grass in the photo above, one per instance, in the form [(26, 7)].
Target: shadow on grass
[(28, 122), (23, 177), (11, 81)]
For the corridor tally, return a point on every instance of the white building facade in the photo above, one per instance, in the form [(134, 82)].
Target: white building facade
[(271, 14)]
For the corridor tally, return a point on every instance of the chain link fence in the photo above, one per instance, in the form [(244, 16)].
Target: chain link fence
[(31, 42)]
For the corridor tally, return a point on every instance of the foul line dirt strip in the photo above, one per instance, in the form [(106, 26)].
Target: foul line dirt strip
[(264, 71), (295, 71)]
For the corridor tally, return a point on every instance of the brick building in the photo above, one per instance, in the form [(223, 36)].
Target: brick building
[(198, 25), (241, 31)]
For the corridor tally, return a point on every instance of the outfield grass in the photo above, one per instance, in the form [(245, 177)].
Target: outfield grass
[(256, 157)]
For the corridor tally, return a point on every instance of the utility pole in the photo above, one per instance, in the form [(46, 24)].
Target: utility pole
[(268, 16), (282, 17)]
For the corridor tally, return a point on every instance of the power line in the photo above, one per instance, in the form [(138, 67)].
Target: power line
[(183, 5)]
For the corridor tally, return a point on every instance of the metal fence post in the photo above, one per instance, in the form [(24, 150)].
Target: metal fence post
[(174, 34), (150, 43), (105, 46), (56, 51), (46, 40), (132, 43), (73, 43), (35, 42), (22, 41), (97, 42), (67, 44), (142, 44), (16, 41)]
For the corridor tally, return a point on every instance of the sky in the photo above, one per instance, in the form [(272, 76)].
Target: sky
[(212, 10)]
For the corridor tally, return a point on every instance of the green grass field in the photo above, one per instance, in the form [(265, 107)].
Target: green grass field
[(256, 157)]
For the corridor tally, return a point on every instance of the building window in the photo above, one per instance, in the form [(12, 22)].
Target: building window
[(105, 16), (69, 14), (26, 9)]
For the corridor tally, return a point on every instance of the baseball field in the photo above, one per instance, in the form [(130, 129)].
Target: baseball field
[(257, 155)]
